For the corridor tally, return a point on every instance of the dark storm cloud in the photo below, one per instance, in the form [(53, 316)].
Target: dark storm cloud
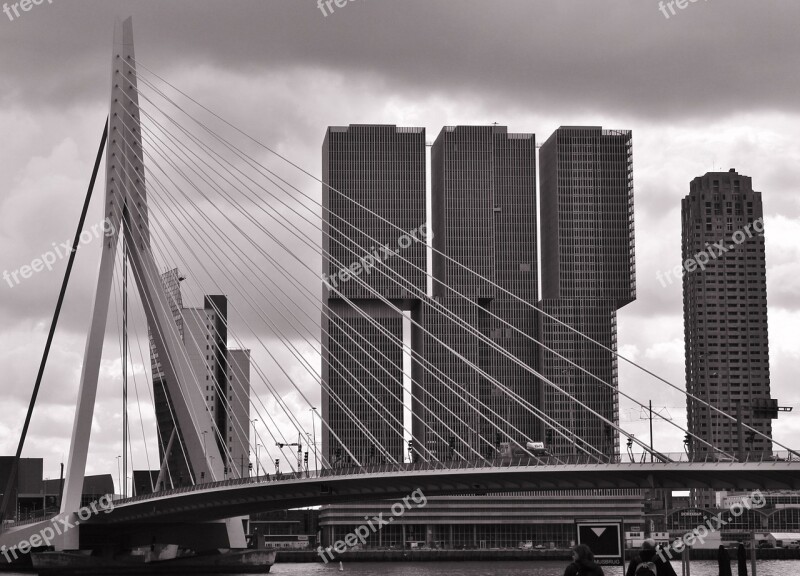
[(714, 58)]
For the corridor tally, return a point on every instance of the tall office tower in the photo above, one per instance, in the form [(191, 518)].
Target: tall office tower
[(483, 200), (221, 379), (374, 187), (588, 273), (725, 316), (484, 218)]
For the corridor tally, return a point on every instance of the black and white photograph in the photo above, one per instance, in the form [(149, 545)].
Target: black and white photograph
[(400, 287)]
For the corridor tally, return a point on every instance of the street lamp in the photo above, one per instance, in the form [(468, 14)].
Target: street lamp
[(571, 392), (119, 474), (255, 437), (205, 454), (314, 432), (715, 420)]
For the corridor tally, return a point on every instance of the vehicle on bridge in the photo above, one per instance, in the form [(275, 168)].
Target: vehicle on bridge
[(508, 450)]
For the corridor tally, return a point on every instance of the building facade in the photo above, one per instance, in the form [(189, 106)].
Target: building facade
[(725, 318), (545, 519), (35, 496), (221, 379), (375, 185), (484, 217), (483, 198), (588, 273)]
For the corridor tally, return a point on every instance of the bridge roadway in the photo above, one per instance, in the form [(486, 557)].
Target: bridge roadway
[(250, 495), (240, 497)]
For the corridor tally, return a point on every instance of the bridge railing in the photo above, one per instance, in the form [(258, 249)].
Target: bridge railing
[(32, 518), (524, 461)]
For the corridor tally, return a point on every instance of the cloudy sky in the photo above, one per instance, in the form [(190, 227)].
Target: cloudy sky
[(713, 86)]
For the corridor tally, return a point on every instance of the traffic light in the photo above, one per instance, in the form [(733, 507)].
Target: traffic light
[(305, 458), (497, 439), (548, 436), (452, 443), (687, 439), (749, 437), (372, 451)]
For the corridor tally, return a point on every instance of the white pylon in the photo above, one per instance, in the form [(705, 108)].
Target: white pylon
[(126, 210)]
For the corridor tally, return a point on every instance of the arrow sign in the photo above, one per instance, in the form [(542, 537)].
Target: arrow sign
[(604, 537)]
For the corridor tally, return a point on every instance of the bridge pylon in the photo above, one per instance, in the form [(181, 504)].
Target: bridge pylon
[(126, 212)]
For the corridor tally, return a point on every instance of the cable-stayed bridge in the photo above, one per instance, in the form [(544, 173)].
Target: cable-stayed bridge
[(187, 189)]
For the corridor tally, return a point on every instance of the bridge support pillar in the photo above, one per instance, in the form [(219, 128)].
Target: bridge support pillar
[(69, 539), (235, 528)]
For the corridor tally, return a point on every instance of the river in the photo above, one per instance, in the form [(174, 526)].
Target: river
[(699, 568)]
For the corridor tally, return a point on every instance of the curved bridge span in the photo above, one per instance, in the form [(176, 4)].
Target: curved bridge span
[(211, 502), (241, 497)]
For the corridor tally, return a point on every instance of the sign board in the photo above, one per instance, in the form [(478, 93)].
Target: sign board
[(604, 537), (536, 448)]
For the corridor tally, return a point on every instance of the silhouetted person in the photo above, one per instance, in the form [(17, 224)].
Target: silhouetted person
[(646, 569), (583, 563), (649, 553)]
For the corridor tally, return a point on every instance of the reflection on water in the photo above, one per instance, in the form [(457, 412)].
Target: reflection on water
[(699, 568)]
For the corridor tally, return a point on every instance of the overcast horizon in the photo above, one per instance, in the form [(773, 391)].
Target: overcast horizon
[(710, 88)]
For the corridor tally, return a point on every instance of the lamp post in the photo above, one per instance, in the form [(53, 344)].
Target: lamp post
[(119, 474), (255, 437), (715, 420), (571, 401), (314, 432), (205, 454)]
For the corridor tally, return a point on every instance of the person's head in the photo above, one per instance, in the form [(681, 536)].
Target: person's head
[(646, 569), (582, 553)]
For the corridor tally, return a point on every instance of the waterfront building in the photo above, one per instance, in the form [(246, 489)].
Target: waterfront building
[(483, 199), (374, 179), (725, 318), (34, 495), (221, 384), (588, 273), (546, 519)]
